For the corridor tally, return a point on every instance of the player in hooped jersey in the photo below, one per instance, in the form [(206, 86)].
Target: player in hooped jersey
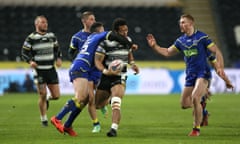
[(113, 86), (79, 75), (41, 50)]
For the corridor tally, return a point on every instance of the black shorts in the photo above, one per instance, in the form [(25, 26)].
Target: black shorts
[(107, 82), (46, 76)]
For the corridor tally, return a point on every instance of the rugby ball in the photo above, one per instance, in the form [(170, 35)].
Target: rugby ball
[(116, 65)]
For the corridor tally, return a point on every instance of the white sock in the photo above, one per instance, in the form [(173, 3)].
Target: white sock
[(49, 97), (114, 126), (44, 118)]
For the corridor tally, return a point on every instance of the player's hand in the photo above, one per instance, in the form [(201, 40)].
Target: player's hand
[(151, 40), (134, 47), (135, 68), (115, 72), (111, 72), (229, 85), (58, 62), (33, 64)]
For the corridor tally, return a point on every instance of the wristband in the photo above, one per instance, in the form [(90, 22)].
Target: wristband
[(105, 71), (132, 63)]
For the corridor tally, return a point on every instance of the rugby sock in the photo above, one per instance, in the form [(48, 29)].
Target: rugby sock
[(49, 97), (204, 104), (72, 117), (44, 118), (196, 128), (114, 126), (69, 106), (95, 122)]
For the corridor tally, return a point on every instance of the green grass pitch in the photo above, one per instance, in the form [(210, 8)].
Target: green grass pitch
[(146, 119)]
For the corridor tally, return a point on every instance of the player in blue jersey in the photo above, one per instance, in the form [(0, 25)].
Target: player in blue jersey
[(193, 44), (79, 75), (76, 44)]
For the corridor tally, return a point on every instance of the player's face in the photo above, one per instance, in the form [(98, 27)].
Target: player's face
[(90, 20), (123, 30), (100, 29), (42, 24), (185, 25)]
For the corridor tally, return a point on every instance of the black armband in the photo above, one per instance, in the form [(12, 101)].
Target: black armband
[(121, 39), (26, 56), (72, 53)]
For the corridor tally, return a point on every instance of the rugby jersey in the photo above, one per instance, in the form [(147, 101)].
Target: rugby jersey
[(43, 49)]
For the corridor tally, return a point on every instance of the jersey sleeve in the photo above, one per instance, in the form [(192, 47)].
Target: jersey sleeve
[(176, 45), (26, 52), (57, 50), (73, 48), (101, 48), (121, 39)]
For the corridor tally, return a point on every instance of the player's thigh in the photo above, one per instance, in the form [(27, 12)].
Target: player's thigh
[(42, 89), (54, 90), (80, 88), (200, 88), (101, 98), (186, 97), (118, 90)]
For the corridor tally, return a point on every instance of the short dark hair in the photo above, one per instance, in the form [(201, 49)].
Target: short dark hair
[(95, 26), (118, 22)]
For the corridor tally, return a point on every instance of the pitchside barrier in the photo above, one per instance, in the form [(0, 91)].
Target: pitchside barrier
[(148, 81)]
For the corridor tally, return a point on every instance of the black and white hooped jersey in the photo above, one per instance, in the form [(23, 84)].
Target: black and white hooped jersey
[(113, 50), (43, 49)]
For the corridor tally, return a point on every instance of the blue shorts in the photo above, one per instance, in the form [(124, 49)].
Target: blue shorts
[(94, 75), (79, 69), (191, 77)]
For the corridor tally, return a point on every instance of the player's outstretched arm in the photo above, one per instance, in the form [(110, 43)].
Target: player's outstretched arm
[(160, 50)]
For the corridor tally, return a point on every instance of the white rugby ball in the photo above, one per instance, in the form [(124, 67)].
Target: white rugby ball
[(116, 65)]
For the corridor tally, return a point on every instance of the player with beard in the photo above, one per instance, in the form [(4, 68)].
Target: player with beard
[(41, 50)]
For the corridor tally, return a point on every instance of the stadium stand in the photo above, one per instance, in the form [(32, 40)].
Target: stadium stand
[(159, 17), (228, 18), (65, 21)]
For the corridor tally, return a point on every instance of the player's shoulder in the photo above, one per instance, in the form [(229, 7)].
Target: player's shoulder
[(50, 34), (81, 33), (108, 43), (31, 35), (201, 35), (129, 38)]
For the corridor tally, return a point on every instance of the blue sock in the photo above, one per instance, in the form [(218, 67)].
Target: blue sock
[(72, 117), (205, 112), (69, 106), (204, 104)]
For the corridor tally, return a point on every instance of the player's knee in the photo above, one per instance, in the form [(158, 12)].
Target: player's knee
[(185, 105), (116, 103), (97, 106), (54, 97), (43, 94)]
